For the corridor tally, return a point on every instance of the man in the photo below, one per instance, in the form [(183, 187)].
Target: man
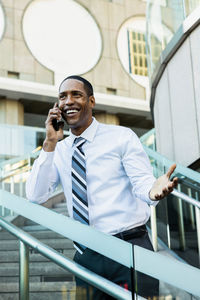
[(106, 177)]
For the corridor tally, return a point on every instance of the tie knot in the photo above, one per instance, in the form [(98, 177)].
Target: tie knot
[(79, 141)]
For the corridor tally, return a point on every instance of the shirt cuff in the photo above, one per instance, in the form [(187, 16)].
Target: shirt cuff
[(145, 194)]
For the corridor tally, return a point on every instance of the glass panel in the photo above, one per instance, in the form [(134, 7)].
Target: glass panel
[(183, 231), (165, 291), (177, 219), (27, 143), (163, 20), (20, 140), (46, 276)]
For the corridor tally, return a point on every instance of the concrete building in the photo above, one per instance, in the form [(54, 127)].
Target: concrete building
[(35, 56)]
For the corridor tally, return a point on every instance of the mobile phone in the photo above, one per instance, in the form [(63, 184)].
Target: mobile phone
[(57, 124)]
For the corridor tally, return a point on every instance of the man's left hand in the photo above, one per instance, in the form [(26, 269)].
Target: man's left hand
[(163, 186)]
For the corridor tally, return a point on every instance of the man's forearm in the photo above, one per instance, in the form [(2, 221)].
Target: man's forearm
[(49, 146)]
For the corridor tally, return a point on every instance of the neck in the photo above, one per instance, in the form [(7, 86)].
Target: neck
[(79, 130)]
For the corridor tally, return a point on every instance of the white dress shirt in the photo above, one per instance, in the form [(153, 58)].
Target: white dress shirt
[(118, 171)]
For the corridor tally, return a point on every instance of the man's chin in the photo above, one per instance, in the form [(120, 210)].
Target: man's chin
[(72, 123)]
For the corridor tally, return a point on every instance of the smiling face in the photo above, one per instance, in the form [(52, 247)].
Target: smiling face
[(76, 105)]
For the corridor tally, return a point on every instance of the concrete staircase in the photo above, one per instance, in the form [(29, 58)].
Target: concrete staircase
[(47, 280)]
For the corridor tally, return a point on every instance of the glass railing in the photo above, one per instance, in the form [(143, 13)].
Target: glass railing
[(164, 18), (176, 278), (23, 144), (18, 140), (177, 220), (72, 230)]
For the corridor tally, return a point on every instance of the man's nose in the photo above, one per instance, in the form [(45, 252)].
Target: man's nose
[(69, 100)]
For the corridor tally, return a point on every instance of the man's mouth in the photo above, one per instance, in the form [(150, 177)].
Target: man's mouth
[(71, 112)]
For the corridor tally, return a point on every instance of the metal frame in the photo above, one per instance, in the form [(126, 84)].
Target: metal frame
[(27, 241), (154, 264)]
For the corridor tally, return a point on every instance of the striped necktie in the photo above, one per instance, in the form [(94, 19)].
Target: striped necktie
[(79, 187)]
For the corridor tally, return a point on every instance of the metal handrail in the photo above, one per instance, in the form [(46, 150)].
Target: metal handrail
[(66, 263), (19, 158), (69, 228), (185, 173), (168, 270), (186, 198), (193, 175), (184, 181)]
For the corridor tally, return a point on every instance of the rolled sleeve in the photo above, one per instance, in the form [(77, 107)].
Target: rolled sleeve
[(43, 178), (138, 168)]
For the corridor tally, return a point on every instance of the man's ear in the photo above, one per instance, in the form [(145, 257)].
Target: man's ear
[(92, 101)]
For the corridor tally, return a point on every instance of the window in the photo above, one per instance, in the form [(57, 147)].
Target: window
[(132, 49), (137, 53)]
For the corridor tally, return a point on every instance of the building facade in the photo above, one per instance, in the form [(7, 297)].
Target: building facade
[(35, 57)]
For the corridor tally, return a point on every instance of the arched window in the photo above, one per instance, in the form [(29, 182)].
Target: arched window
[(132, 49)]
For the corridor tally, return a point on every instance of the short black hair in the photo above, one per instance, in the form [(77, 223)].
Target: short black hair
[(87, 85)]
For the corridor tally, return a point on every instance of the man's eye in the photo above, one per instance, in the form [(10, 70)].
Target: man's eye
[(62, 97), (77, 95)]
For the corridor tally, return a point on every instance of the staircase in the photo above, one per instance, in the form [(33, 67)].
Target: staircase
[(47, 280)]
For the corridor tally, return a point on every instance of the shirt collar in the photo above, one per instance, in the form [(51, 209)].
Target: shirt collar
[(88, 134)]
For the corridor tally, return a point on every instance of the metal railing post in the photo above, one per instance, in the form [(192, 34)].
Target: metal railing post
[(154, 229), (23, 271), (181, 222), (12, 190), (3, 188), (191, 210)]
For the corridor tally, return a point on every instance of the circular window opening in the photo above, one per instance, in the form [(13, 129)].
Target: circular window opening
[(132, 49), (63, 36), (2, 22)]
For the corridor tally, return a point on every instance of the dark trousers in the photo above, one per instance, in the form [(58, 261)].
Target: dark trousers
[(147, 287)]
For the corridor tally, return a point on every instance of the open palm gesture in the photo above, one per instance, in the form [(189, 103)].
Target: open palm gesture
[(163, 186)]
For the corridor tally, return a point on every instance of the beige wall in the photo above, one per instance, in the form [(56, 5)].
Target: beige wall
[(11, 112), (107, 118), (14, 54), (108, 73)]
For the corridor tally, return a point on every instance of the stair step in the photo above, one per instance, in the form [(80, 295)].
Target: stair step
[(64, 295), (62, 204), (42, 269), (13, 256), (57, 210), (38, 234), (39, 287), (34, 228), (59, 243), (10, 279), (29, 222), (47, 280)]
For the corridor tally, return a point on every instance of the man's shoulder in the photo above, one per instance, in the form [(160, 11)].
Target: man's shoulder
[(115, 129)]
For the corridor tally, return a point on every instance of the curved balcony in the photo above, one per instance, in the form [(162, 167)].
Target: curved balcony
[(164, 18), (175, 82)]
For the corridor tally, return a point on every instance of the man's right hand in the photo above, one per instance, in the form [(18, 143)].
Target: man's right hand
[(52, 136)]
